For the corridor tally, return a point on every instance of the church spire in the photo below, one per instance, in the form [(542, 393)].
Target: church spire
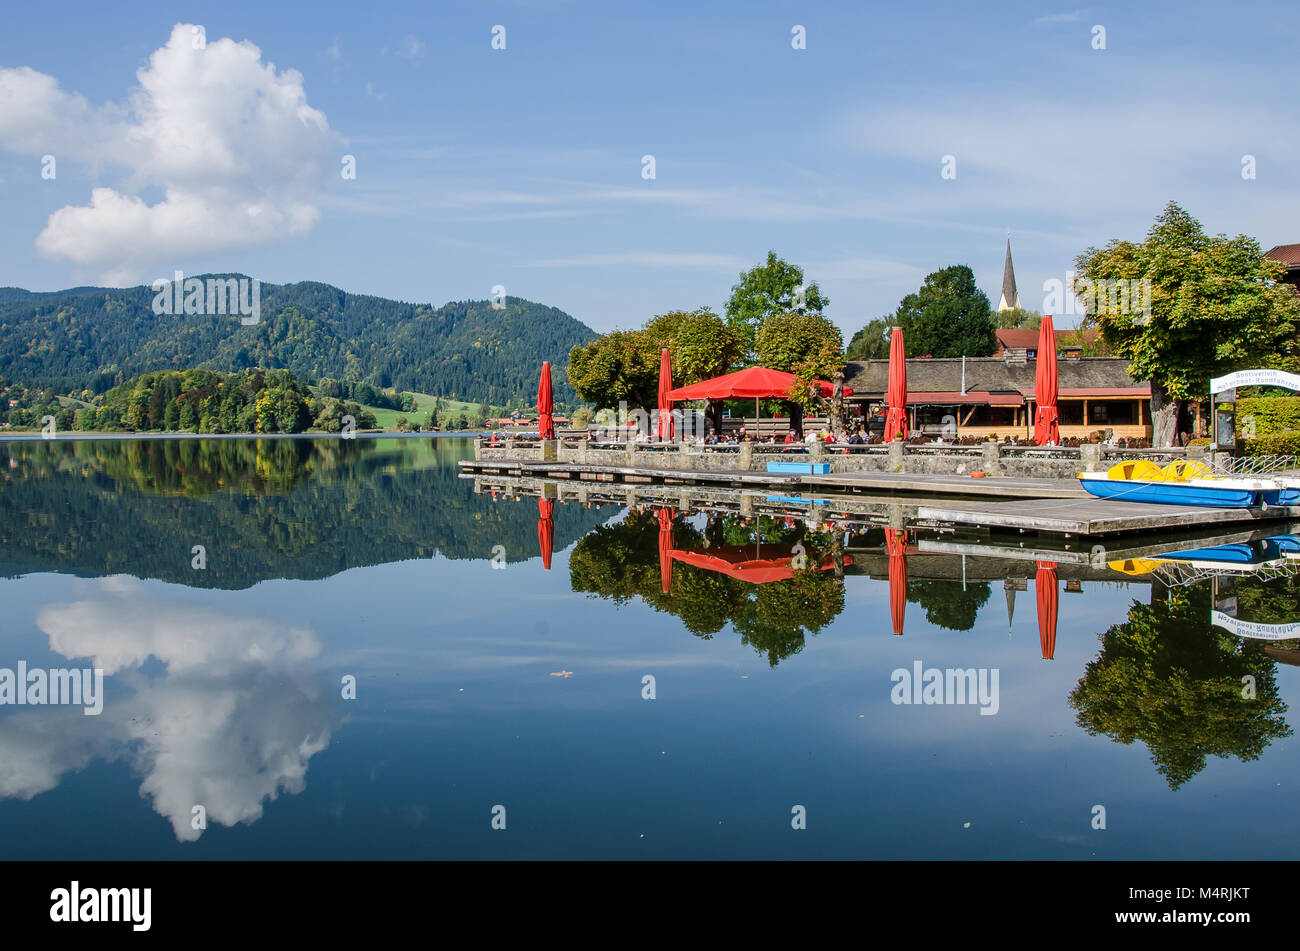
[(1010, 296)]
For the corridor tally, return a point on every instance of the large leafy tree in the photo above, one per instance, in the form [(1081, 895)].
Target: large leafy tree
[(949, 316), (766, 289), (1018, 318), (791, 341), (700, 343), (1215, 307), (1165, 677), (624, 365), (871, 342)]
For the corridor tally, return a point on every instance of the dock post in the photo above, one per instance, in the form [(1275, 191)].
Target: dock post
[(896, 456), (1090, 456), (746, 504), (684, 501), (550, 450), (991, 458), (746, 456)]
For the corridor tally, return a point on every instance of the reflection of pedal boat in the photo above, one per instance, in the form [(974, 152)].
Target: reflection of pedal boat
[(1185, 482)]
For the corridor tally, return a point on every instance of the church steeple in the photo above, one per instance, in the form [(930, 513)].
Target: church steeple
[(1010, 296)]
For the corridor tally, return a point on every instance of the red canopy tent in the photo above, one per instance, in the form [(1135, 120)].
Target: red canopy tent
[(1047, 590), (545, 405), (1047, 431), (665, 404), (756, 383), (545, 530), (746, 563), (896, 394)]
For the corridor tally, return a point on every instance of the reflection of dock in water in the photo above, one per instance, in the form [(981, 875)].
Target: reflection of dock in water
[(942, 550), (1024, 505)]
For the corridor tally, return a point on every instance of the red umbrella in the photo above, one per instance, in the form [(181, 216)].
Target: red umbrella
[(545, 530), (1046, 428), (545, 405), (744, 563), (1045, 586), (665, 548), (896, 545), (665, 404), (753, 383), (896, 394)]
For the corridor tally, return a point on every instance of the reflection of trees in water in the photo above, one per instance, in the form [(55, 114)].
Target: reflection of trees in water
[(263, 508), (621, 562), (947, 604), (1167, 678)]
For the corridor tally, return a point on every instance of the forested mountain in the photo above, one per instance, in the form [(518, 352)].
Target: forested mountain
[(94, 338)]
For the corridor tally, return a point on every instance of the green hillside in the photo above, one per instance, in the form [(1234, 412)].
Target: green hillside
[(97, 337)]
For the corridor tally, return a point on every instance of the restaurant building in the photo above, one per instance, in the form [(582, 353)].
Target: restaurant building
[(994, 396)]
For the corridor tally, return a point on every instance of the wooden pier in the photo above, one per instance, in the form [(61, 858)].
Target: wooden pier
[(1020, 504)]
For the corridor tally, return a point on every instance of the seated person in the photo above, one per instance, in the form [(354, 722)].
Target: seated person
[(791, 436)]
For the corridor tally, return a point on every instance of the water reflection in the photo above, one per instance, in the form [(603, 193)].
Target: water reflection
[(217, 703), (229, 723)]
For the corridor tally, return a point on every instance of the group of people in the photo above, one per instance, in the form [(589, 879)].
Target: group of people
[(850, 437)]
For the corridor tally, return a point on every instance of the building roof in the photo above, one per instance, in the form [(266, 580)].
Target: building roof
[(1088, 376), (1010, 296), (1023, 338), (1017, 338), (1288, 254)]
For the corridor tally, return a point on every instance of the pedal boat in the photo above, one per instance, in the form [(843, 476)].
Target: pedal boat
[(1186, 482)]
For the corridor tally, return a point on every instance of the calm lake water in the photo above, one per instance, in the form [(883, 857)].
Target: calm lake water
[(483, 679)]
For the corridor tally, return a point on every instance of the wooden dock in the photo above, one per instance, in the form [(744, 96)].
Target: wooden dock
[(1092, 516), (1046, 507)]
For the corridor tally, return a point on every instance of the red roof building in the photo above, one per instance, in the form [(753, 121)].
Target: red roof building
[(1289, 255)]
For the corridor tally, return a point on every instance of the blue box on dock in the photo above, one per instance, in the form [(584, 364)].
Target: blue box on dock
[(802, 468)]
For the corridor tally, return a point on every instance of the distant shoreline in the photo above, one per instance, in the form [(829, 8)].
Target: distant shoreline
[(76, 436)]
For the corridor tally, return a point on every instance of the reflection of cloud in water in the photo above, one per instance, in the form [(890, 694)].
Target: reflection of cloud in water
[(231, 724)]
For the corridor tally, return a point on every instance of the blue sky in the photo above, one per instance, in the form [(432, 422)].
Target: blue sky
[(523, 167)]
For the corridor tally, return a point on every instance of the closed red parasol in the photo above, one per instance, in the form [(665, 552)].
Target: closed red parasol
[(545, 530), (665, 404), (545, 405), (1047, 589), (1047, 430), (896, 546), (896, 394), (665, 548)]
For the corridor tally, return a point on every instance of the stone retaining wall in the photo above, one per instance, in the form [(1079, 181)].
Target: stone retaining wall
[(992, 458)]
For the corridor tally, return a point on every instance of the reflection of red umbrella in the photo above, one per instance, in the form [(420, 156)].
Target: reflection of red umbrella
[(665, 404), (665, 547), (1045, 586), (896, 394), (545, 530), (745, 562), (545, 405), (896, 545), (1047, 431)]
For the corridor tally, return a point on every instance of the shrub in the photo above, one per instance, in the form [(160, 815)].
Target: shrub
[(1277, 444), (1272, 415)]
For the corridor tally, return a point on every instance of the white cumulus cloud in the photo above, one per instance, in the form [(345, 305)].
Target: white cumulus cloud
[(230, 141)]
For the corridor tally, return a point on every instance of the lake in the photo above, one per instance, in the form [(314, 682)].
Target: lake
[(325, 648)]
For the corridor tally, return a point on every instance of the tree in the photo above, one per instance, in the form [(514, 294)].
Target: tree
[(871, 342), (1167, 678), (790, 341), (614, 368), (770, 288), (1018, 318), (948, 317), (700, 343), (1215, 306), (623, 366)]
